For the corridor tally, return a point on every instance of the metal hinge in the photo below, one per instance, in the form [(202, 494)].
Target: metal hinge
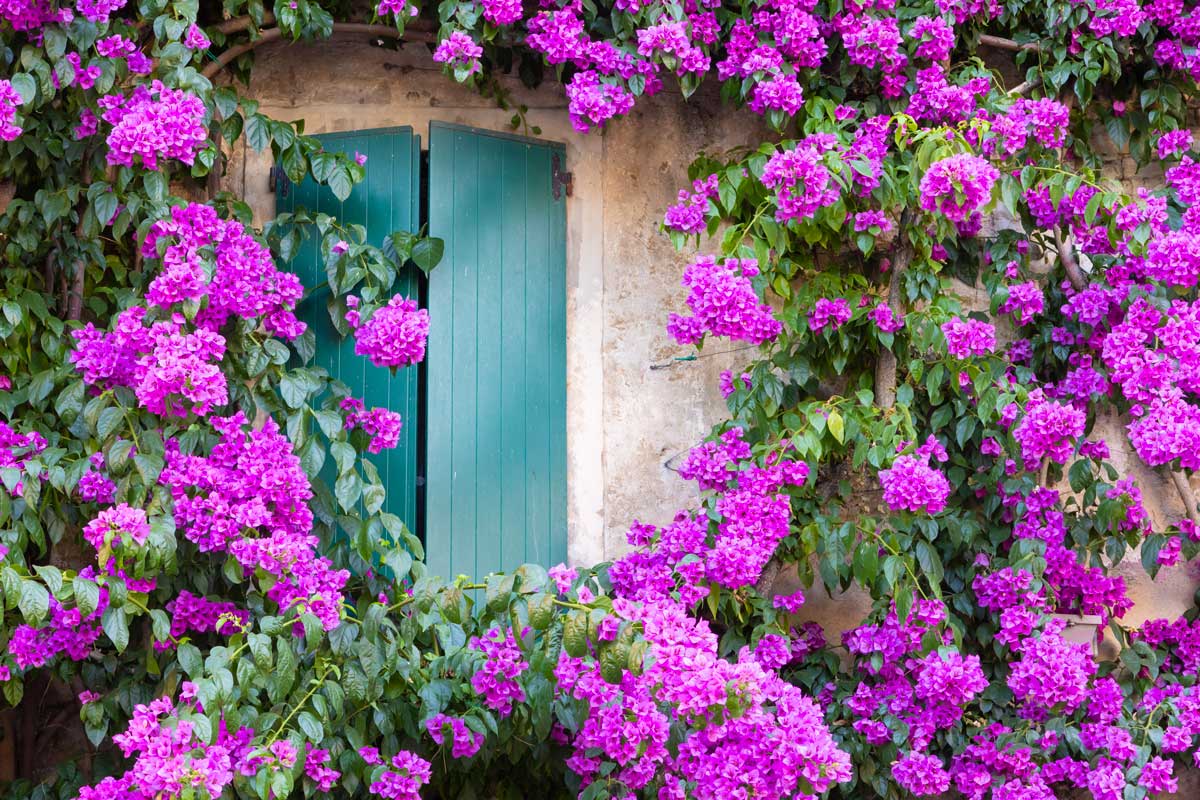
[(280, 181), (560, 179)]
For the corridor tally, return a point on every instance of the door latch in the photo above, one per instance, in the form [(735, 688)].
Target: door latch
[(280, 181), (560, 179)]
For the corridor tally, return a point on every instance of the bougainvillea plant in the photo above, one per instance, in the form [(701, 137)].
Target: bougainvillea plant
[(192, 531)]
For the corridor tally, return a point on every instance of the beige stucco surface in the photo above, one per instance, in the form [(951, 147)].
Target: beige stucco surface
[(628, 422)]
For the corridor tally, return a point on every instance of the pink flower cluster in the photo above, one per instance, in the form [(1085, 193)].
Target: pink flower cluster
[(802, 182), (1053, 674), (172, 371), (9, 100), (714, 464), (911, 484), (394, 335), (688, 215), (754, 514), (464, 741), (1025, 300), (252, 482), (829, 314), (502, 12), (98, 10), (116, 527), (723, 303), (774, 745), (958, 186), (460, 52), (904, 690), (970, 337), (592, 101), (885, 319), (408, 773), (495, 681), (66, 631), (171, 757), (381, 424), (203, 256), (190, 612), (154, 122), (1046, 119), (30, 15), (1048, 430), (16, 449)]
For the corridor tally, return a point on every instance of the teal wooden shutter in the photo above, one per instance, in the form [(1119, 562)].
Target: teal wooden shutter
[(496, 363), (387, 201)]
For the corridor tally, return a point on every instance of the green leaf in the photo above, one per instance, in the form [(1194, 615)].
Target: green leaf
[(116, 627), (340, 183), (436, 696), (347, 490), (331, 425), (40, 386), (149, 466), (190, 660), (344, 456), (260, 649), (399, 562), (427, 253), (156, 186), (160, 625), (14, 690), (87, 595), (311, 726), (258, 132), (25, 85), (837, 426), (34, 602), (110, 420), (293, 390)]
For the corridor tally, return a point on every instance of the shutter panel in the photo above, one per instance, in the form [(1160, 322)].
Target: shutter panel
[(496, 364), (387, 200)]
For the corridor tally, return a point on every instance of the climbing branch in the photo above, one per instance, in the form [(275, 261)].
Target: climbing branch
[(1183, 485), (885, 367), (274, 34), (1066, 254), (1000, 43)]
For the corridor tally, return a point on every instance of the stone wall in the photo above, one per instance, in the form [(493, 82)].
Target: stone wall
[(632, 409), (628, 421)]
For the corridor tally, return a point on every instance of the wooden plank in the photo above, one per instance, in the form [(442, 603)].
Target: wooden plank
[(383, 203), (497, 355)]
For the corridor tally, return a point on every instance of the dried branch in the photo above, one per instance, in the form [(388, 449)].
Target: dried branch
[(1025, 88), (1000, 43), (238, 24)]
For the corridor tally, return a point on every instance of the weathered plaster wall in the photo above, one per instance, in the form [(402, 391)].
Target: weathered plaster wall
[(628, 422)]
